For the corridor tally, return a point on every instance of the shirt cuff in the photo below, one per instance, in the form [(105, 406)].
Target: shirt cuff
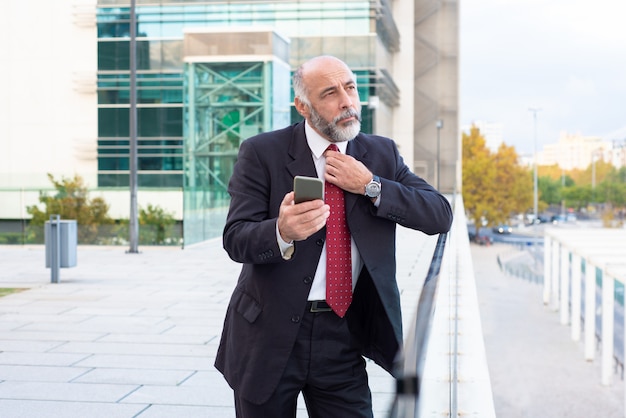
[(286, 248)]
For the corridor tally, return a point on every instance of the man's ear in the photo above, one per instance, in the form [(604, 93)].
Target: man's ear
[(301, 107)]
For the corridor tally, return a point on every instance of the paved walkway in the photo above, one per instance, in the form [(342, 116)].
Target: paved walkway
[(135, 335), (536, 370)]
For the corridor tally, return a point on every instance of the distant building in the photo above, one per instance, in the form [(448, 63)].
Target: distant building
[(574, 151)]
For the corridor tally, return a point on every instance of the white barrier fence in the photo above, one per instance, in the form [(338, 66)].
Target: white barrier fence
[(584, 276)]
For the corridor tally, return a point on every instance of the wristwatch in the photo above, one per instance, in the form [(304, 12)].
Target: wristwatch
[(372, 189)]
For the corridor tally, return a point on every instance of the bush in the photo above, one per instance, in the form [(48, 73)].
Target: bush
[(156, 227), (71, 201)]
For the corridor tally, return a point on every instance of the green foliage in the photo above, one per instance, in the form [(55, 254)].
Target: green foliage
[(156, 227), (577, 197), (71, 201), (11, 238), (613, 193), (495, 186), (550, 190), (160, 222)]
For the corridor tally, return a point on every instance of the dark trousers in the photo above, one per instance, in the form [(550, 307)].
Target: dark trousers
[(327, 367)]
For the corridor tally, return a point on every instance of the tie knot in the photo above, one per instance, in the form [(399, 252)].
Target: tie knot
[(333, 147)]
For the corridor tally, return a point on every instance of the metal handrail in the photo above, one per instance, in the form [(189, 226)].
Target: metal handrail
[(412, 366)]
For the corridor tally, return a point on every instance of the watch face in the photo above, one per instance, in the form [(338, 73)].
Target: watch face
[(373, 189)]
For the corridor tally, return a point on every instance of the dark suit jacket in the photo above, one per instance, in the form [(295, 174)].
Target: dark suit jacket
[(269, 300)]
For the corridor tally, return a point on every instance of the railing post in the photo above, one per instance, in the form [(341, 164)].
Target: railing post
[(565, 282), (608, 286), (590, 311), (576, 296), (556, 252), (547, 268)]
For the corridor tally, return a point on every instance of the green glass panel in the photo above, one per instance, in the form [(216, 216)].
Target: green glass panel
[(113, 122), (158, 122)]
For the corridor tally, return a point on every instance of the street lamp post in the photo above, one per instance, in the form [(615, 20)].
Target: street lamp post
[(133, 224), (439, 126), (534, 110)]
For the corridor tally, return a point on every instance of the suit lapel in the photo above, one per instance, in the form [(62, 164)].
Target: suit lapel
[(301, 160)]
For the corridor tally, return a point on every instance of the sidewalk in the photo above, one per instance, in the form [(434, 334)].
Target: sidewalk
[(135, 335), (536, 369)]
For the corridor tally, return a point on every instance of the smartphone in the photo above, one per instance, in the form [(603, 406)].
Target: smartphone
[(307, 188)]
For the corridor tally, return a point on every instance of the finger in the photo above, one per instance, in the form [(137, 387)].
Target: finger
[(288, 199)]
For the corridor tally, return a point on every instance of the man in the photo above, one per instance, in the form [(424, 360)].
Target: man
[(281, 336)]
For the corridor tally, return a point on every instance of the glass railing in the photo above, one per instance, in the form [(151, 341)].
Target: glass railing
[(447, 317), (115, 234), (405, 402)]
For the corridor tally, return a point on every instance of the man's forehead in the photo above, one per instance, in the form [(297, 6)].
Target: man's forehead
[(329, 77)]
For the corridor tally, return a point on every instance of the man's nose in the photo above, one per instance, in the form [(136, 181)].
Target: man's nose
[(346, 101)]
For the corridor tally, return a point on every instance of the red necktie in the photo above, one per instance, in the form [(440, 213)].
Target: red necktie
[(338, 253)]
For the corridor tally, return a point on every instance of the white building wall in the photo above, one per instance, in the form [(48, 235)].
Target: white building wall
[(48, 106), (403, 71)]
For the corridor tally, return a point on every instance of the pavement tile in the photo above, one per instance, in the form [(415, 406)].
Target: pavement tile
[(62, 409), (180, 395), (100, 347), (170, 411), (135, 376), (41, 359), (27, 373), (57, 391), (140, 361)]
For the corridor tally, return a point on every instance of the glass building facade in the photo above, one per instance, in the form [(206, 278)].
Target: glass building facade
[(362, 33)]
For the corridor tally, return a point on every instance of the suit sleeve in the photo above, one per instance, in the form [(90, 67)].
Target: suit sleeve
[(250, 231), (410, 201)]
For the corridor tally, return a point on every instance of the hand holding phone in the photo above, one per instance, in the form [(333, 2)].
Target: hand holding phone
[(307, 188)]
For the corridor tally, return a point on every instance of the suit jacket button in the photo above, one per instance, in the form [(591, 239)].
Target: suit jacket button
[(295, 319), (308, 280)]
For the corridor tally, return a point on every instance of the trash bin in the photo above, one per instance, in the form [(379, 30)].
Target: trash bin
[(61, 240), (68, 240)]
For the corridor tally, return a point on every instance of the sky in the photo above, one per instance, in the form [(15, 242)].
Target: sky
[(564, 57)]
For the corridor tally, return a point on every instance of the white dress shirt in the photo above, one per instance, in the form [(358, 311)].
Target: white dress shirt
[(318, 145)]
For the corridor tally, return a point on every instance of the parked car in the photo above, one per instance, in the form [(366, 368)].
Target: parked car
[(502, 229), (480, 239)]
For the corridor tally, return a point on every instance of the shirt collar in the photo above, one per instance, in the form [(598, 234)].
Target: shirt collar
[(318, 143)]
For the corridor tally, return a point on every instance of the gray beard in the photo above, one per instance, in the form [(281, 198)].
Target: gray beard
[(334, 132)]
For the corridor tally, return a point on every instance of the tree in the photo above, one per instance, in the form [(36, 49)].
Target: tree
[(513, 184), (577, 197), (495, 186), (478, 177), (71, 201)]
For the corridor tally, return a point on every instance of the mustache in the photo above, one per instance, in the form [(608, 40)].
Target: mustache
[(348, 113)]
